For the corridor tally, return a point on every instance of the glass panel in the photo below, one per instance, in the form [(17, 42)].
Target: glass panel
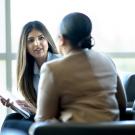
[(14, 85), (125, 64), (2, 87), (16, 94), (113, 30), (2, 26), (2, 75)]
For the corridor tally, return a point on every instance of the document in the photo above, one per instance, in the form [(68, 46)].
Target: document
[(7, 95)]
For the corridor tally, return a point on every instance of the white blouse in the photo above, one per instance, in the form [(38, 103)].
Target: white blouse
[(50, 56)]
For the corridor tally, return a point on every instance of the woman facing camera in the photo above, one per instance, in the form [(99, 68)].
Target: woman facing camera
[(84, 85), (36, 47)]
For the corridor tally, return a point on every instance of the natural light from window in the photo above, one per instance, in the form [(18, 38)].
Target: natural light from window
[(113, 29), (113, 20)]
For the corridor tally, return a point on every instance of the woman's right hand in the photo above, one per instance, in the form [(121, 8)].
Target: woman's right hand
[(6, 102), (22, 103)]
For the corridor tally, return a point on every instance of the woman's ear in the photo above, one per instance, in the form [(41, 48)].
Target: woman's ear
[(61, 40), (60, 43)]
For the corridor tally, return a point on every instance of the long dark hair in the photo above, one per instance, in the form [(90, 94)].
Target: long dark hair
[(25, 62)]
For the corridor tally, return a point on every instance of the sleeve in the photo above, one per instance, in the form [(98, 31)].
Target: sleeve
[(121, 96), (47, 100)]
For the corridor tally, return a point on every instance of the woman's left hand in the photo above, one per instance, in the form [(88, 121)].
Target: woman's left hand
[(26, 106)]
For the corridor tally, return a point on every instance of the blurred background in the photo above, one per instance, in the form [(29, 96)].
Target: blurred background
[(113, 31)]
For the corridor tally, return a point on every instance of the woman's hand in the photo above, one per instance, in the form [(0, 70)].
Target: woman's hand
[(26, 106), (6, 102)]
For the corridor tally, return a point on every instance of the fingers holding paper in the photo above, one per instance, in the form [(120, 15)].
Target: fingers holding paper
[(6, 102)]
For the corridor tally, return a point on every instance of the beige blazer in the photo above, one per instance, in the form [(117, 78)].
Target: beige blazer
[(80, 87)]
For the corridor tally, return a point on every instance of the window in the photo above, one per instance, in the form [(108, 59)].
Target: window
[(113, 29), (3, 62), (113, 26)]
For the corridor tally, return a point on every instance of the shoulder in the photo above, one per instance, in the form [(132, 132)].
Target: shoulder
[(52, 64), (97, 58), (52, 56), (99, 55)]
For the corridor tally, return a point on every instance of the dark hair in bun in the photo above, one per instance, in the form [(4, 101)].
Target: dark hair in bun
[(76, 27)]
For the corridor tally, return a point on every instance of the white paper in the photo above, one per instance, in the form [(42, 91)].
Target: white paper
[(8, 95)]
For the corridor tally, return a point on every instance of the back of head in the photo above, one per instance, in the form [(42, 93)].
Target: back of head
[(76, 27)]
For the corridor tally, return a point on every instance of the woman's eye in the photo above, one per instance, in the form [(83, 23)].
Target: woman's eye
[(41, 38), (30, 40)]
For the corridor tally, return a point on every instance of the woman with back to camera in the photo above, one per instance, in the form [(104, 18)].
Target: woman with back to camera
[(36, 47), (84, 85)]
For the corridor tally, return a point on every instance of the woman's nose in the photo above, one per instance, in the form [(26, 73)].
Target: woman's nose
[(36, 42)]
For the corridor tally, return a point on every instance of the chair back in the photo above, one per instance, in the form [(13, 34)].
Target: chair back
[(105, 128)]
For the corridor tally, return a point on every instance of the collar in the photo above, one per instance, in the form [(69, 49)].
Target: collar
[(36, 68)]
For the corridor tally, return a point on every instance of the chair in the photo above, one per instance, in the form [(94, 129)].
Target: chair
[(99, 128), (129, 84), (124, 127), (128, 80)]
